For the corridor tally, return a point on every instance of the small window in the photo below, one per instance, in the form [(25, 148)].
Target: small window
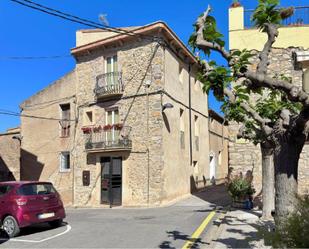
[(195, 166), (88, 118), (65, 117), (65, 161), (181, 74), (220, 158), (182, 129), (4, 190)]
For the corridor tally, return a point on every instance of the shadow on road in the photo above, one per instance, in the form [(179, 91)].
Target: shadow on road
[(216, 195), (176, 235), (35, 229)]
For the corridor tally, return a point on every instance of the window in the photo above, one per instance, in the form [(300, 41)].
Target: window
[(65, 161), (181, 74), (4, 190), (220, 158), (111, 69), (182, 128), (112, 118), (65, 117), (195, 166), (36, 189), (88, 118), (196, 133)]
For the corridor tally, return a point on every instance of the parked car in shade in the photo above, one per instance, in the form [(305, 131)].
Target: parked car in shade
[(23, 204)]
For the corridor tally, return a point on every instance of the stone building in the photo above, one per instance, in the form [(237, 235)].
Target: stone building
[(218, 148), (10, 155), (289, 56), (128, 126)]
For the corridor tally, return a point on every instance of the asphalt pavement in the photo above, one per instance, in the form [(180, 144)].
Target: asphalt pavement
[(166, 227)]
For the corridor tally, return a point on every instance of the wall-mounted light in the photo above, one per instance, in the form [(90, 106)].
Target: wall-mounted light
[(167, 106)]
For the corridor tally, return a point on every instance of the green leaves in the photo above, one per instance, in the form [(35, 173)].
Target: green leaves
[(271, 106), (217, 79), (210, 34), (266, 12), (240, 60)]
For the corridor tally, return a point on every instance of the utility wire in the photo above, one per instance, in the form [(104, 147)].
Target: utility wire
[(9, 113), (77, 19), (33, 57)]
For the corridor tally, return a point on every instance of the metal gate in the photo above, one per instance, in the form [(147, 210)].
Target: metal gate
[(111, 181)]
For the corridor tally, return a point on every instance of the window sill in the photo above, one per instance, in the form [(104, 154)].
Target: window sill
[(65, 171)]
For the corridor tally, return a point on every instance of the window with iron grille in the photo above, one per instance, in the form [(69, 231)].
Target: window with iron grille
[(65, 161), (65, 117)]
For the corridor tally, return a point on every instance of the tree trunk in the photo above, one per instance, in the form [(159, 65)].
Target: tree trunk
[(286, 157), (268, 180)]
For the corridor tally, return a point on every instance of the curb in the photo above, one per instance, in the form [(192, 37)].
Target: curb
[(216, 229)]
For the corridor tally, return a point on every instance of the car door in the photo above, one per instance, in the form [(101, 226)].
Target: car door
[(4, 200)]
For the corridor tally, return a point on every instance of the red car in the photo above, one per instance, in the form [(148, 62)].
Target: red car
[(26, 203)]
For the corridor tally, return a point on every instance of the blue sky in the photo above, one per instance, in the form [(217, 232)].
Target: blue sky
[(26, 32)]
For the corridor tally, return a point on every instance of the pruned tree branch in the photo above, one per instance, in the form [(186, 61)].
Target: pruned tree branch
[(262, 122), (294, 93), (272, 33), (201, 43)]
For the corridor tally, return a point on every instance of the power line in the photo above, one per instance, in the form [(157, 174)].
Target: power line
[(79, 20), (33, 57), (9, 113)]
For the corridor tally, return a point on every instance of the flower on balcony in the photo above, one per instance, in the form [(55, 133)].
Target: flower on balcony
[(86, 130), (97, 129), (118, 126), (107, 127)]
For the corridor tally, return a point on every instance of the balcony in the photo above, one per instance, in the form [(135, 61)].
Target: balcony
[(107, 138), (109, 85), (299, 18)]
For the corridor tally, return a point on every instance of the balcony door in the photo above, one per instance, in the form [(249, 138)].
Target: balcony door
[(111, 181), (112, 118), (111, 70)]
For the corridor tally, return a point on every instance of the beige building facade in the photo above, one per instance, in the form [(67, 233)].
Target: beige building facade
[(128, 126), (289, 56)]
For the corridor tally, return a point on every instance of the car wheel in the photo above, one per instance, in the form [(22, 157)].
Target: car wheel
[(10, 226), (55, 223)]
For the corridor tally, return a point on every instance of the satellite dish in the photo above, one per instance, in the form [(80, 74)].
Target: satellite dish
[(103, 19)]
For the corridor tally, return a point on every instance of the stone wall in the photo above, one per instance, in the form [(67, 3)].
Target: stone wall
[(244, 156), (9, 156), (139, 62)]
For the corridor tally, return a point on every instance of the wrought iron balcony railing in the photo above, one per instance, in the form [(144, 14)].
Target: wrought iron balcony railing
[(299, 18), (110, 137), (109, 84)]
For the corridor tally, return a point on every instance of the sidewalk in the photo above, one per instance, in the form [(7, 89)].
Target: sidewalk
[(239, 229)]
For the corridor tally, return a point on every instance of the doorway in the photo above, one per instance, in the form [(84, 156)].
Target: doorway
[(111, 181)]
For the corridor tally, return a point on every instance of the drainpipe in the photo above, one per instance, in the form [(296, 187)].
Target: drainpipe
[(190, 113)]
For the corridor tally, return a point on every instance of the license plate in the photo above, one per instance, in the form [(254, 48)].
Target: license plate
[(46, 215)]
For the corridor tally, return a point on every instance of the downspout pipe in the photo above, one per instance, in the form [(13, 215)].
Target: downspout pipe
[(190, 118)]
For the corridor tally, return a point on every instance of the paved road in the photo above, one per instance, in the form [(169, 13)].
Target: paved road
[(168, 227)]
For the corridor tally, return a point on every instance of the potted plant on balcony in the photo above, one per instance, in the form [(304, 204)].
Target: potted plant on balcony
[(241, 191), (235, 4), (118, 126), (107, 127), (97, 129), (86, 130)]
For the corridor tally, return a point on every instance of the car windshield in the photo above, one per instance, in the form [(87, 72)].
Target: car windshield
[(36, 189)]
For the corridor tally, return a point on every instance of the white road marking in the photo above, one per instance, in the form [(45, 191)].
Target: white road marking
[(42, 240)]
